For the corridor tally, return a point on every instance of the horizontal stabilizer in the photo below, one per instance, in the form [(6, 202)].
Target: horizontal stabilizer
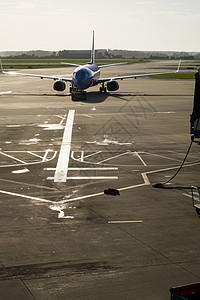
[(111, 65), (69, 64)]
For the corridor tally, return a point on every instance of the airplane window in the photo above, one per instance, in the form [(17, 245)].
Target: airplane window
[(81, 74)]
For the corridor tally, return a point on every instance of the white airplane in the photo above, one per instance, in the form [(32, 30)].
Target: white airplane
[(85, 76)]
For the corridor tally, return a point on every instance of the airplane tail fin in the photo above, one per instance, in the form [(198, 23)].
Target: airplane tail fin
[(178, 66), (92, 51)]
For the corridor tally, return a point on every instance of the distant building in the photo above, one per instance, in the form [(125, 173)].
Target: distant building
[(83, 54), (76, 54)]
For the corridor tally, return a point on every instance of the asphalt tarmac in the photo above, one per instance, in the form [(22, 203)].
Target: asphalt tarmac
[(61, 237)]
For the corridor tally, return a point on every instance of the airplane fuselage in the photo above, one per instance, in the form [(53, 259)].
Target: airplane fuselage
[(85, 76)]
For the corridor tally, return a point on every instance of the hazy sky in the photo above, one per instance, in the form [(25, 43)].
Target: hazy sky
[(118, 24)]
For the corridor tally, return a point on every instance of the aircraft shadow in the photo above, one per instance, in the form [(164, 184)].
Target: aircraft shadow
[(123, 96), (40, 95), (95, 97)]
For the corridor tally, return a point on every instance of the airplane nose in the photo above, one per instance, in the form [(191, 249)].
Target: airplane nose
[(82, 84), (82, 78)]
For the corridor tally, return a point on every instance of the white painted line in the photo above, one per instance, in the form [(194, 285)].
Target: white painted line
[(34, 154), (144, 175), (153, 154), (82, 155), (72, 156), (28, 184), (62, 119), (25, 170), (20, 151), (92, 154), (12, 157), (84, 169), (95, 177), (87, 162), (81, 197), (25, 163), (63, 159), (112, 157), (182, 154), (89, 177), (45, 156), (123, 222), (25, 196), (8, 92), (140, 158), (90, 169)]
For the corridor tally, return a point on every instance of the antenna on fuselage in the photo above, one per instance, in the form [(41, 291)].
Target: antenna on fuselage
[(92, 51)]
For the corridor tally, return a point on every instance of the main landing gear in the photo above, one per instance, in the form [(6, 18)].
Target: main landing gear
[(103, 89)]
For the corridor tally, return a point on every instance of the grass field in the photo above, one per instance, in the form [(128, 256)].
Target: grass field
[(16, 63), (176, 76), (56, 62)]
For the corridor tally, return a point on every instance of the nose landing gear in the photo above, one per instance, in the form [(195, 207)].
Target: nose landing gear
[(76, 94)]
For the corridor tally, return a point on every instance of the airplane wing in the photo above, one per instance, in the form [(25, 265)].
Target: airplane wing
[(35, 75), (136, 76), (111, 65)]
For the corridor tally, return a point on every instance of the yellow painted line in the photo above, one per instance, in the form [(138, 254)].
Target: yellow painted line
[(145, 178), (144, 175), (172, 168), (131, 187)]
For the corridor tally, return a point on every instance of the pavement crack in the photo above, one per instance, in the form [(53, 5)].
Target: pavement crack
[(27, 289)]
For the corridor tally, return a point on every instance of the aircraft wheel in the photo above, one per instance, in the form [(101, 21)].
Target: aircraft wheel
[(197, 210)]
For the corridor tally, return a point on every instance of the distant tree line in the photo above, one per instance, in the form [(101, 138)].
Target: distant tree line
[(101, 54)]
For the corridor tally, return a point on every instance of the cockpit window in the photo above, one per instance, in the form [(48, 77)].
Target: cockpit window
[(81, 74)]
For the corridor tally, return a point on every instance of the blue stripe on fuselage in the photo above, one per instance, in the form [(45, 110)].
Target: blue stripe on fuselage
[(85, 76)]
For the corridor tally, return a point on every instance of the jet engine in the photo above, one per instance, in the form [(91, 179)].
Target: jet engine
[(59, 85), (112, 85)]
